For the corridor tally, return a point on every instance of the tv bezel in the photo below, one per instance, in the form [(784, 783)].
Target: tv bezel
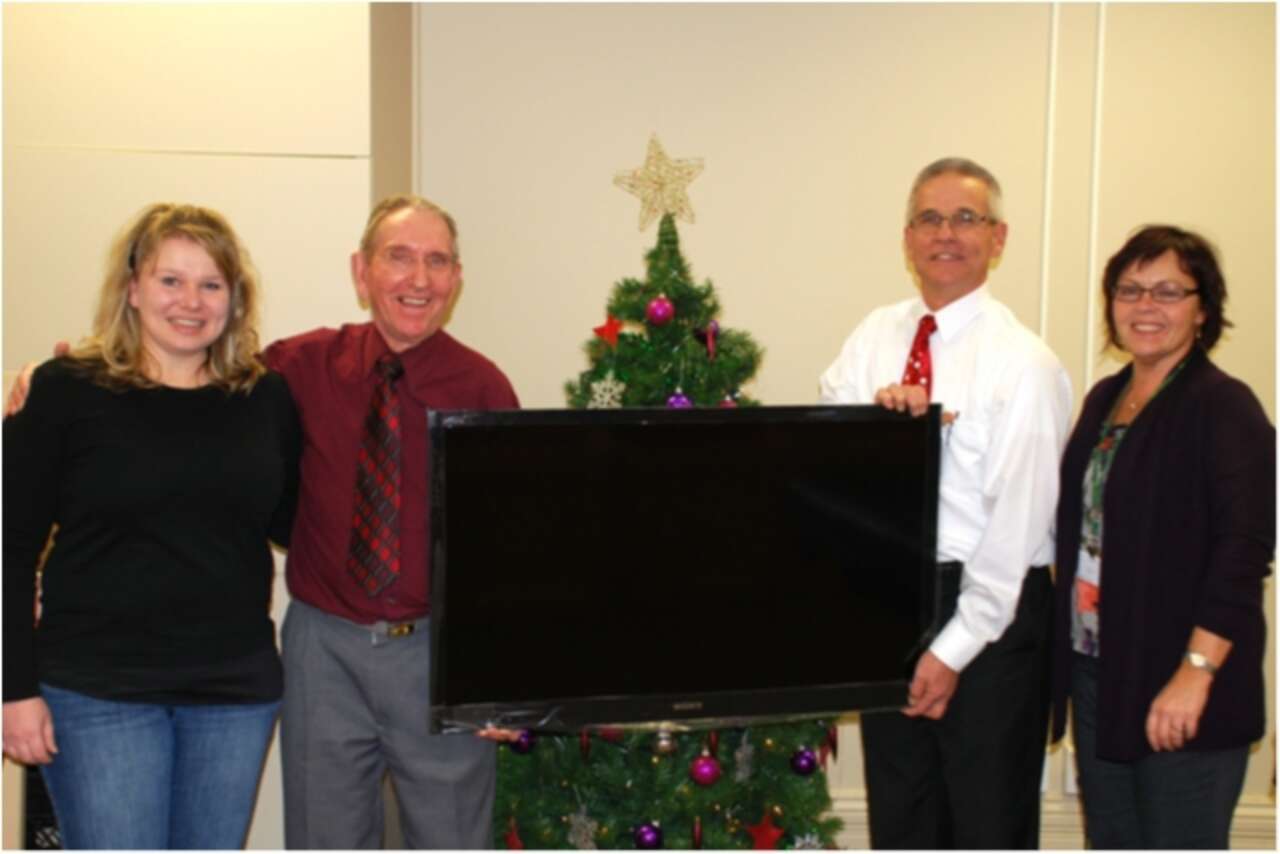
[(664, 710)]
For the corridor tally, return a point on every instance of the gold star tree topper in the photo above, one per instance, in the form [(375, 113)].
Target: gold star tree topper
[(661, 184)]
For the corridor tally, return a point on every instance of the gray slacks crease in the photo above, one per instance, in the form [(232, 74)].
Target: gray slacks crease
[(356, 707)]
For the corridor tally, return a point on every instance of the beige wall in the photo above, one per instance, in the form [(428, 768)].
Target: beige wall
[(812, 121)]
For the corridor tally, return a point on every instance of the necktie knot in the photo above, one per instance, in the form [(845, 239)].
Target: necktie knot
[(928, 325), (389, 367)]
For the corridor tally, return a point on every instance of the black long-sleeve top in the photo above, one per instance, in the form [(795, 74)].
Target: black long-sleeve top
[(159, 581), (1189, 513)]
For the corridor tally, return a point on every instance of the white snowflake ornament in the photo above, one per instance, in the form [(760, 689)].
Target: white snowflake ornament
[(607, 393)]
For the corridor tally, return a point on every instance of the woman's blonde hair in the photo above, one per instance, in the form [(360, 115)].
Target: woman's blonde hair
[(114, 353)]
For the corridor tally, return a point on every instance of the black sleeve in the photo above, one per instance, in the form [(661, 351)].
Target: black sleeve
[(1241, 463), (34, 456), (289, 432)]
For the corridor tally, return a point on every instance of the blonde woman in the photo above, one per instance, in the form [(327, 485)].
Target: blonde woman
[(166, 456)]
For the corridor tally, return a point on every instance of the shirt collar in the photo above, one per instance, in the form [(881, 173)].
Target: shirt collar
[(955, 315), (375, 346)]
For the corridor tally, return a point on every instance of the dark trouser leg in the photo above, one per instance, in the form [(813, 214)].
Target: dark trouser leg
[(906, 800), (996, 729), (977, 771), (1182, 799), (1108, 790)]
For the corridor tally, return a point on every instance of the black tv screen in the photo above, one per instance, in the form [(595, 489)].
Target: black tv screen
[(649, 566)]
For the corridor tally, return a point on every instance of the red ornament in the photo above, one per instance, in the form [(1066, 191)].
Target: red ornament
[(512, 836), (584, 744), (713, 742), (611, 734), (697, 831), (766, 836), (705, 770), (728, 402), (609, 331), (708, 337)]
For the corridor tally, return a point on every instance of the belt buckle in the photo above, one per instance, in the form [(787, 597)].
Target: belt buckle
[(400, 630)]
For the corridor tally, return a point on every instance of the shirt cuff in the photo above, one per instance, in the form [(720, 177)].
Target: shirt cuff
[(955, 647)]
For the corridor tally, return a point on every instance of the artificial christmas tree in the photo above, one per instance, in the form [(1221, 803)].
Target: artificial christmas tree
[(757, 787), (661, 343)]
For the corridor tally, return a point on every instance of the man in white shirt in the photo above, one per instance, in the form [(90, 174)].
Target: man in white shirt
[(960, 766)]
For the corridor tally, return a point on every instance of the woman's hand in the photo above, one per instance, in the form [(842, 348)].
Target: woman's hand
[(28, 732), (1174, 717)]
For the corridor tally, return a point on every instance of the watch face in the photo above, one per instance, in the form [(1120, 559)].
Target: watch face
[(1198, 660)]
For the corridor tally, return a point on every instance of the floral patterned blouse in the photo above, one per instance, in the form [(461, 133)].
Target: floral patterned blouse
[(1087, 592)]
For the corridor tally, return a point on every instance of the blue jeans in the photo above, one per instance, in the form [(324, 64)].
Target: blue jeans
[(145, 775), (1180, 799)]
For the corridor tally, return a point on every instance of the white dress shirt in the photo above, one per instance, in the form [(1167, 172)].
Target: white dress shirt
[(999, 478)]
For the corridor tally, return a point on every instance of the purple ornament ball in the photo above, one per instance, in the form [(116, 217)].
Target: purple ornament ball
[(660, 310), (648, 836), (523, 743), (679, 400), (804, 762), (705, 770)]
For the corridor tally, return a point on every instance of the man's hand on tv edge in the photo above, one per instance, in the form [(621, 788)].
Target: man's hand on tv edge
[(494, 733), (908, 398), (931, 688)]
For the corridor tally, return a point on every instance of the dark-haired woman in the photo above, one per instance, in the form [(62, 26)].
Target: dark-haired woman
[(1166, 529), (166, 455)]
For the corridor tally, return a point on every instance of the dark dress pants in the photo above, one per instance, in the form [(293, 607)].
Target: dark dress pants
[(972, 779), (1180, 799)]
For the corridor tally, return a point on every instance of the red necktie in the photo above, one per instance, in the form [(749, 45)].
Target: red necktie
[(373, 558), (919, 370)]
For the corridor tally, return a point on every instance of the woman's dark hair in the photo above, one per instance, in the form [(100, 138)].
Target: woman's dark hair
[(1196, 257)]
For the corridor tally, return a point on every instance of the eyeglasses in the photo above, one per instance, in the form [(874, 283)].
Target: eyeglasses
[(1165, 292), (963, 220), (404, 259)]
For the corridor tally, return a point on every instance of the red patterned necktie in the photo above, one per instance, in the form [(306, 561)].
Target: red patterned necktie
[(373, 558), (919, 370)]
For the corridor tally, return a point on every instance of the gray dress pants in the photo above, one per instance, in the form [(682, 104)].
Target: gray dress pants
[(356, 704)]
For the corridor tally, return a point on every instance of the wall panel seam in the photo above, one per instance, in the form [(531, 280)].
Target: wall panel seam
[(190, 152), (1095, 168), (1046, 216)]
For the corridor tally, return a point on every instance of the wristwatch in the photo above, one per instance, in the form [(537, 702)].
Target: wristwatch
[(1198, 661)]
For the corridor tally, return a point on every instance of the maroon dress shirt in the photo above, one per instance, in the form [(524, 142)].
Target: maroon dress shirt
[(331, 375)]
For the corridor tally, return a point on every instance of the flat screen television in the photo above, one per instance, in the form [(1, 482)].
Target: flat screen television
[(655, 567)]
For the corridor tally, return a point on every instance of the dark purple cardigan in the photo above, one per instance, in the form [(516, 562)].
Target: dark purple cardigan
[(1188, 535)]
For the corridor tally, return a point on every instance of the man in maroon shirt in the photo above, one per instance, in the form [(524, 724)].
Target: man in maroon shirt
[(357, 665)]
